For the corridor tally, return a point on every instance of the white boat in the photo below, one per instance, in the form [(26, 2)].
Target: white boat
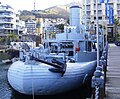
[(15, 46), (58, 65)]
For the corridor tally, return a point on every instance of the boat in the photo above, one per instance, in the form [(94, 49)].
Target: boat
[(15, 46), (58, 65)]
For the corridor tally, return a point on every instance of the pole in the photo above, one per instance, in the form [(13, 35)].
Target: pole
[(106, 21), (66, 25), (85, 15), (18, 31), (66, 33), (103, 35), (85, 23), (104, 26), (97, 32), (106, 31)]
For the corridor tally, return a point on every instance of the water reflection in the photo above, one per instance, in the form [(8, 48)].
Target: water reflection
[(80, 93)]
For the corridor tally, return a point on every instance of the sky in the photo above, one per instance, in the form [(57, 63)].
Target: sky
[(40, 4)]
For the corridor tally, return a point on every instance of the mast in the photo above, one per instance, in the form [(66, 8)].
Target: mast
[(66, 24), (85, 14), (34, 6), (85, 22)]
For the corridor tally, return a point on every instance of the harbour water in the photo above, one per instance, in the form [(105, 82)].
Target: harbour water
[(6, 92)]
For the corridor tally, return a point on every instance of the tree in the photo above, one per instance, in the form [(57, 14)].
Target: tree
[(116, 22), (60, 26), (102, 26), (13, 36), (116, 34)]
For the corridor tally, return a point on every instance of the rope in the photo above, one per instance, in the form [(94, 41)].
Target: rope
[(97, 92), (32, 84)]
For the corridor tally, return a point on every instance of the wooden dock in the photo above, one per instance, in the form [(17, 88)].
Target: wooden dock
[(113, 73)]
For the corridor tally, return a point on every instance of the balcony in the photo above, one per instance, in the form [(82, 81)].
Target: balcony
[(6, 10), (118, 6), (6, 21), (9, 28), (6, 28), (6, 15), (2, 27)]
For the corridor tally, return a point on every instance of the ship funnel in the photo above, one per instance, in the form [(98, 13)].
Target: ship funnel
[(75, 15)]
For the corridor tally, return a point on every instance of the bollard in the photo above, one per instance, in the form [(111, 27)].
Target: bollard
[(103, 65), (102, 57), (103, 74), (106, 49), (100, 68), (98, 83), (105, 56), (104, 62)]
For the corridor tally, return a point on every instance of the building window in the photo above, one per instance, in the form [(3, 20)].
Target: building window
[(99, 18), (118, 0), (118, 6), (88, 13), (119, 19), (88, 7), (99, 12), (88, 2), (111, 4), (17, 20), (118, 13), (94, 18), (99, 6)]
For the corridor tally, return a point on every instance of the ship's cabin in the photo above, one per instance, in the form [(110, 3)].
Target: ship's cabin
[(70, 47)]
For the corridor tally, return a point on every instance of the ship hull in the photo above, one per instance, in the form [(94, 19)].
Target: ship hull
[(37, 79)]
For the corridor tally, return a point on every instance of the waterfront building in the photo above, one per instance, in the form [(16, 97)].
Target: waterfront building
[(91, 9), (50, 25), (46, 27), (30, 25), (39, 25), (9, 19), (102, 19)]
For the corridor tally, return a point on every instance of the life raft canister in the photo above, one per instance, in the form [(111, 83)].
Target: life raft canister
[(77, 49)]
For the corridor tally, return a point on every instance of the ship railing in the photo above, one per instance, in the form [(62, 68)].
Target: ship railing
[(34, 57)]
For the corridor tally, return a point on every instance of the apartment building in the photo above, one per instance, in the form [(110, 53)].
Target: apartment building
[(50, 24), (102, 19), (91, 9), (30, 25), (9, 18)]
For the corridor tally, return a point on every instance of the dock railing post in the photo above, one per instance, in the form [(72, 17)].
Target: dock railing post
[(98, 84), (99, 78)]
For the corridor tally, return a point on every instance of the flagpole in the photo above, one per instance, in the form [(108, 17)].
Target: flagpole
[(106, 30), (106, 21), (85, 15), (106, 3), (103, 30), (97, 32)]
